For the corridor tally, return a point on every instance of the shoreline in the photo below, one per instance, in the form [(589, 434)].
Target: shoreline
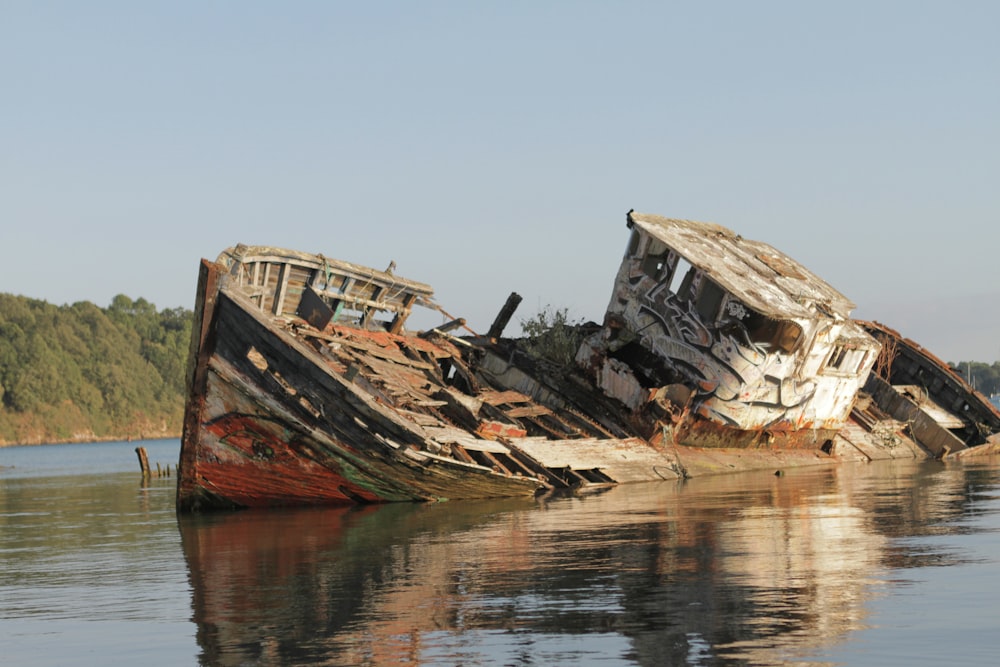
[(91, 441)]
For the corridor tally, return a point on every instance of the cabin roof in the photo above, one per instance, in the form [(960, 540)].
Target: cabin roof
[(762, 277)]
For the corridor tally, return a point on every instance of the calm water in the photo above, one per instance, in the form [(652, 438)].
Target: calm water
[(881, 564)]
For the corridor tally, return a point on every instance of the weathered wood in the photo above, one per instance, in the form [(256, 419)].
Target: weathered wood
[(627, 460), (401, 315), (143, 461), (282, 289), (316, 455), (501, 397), (528, 411), (444, 328), (266, 283), (503, 317), (314, 310)]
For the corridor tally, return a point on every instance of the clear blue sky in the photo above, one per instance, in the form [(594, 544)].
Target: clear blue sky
[(490, 147)]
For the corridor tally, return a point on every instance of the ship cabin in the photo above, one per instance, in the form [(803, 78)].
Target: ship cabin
[(708, 323), (321, 290)]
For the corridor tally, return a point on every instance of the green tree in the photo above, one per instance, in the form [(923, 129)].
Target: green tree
[(80, 369), (984, 377), (551, 335)]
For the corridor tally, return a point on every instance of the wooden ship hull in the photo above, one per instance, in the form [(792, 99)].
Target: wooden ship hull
[(938, 408), (284, 412), (305, 386)]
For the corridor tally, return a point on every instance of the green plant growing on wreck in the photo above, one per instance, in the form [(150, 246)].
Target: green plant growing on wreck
[(551, 335)]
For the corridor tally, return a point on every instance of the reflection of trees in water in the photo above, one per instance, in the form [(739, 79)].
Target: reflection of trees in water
[(753, 568)]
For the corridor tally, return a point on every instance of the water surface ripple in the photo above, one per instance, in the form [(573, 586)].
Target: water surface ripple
[(892, 563)]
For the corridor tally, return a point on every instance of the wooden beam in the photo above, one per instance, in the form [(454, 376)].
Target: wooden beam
[(376, 292), (265, 281), (401, 315), (281, 289), (503, 317)]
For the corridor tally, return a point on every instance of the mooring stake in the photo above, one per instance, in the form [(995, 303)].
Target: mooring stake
[(143, 460)]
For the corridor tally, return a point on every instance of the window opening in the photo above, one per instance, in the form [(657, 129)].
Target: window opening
[(656, 258), (633, 244), (768, 333), (680, 285), (837, 357), (709, 300)]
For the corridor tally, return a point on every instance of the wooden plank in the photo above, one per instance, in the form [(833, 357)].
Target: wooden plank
[(458, 451), (496, 462), (377, 351), (624, 460), (248, 254), (265, 282), (402, 314), (282, 289), (528, 411), (356, 301), (503, 317), (500, 397), (420, 418), (392, 357), (449, 435), (366, 313)]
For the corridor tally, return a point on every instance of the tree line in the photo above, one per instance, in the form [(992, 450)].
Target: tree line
[(82, 373), (984, 377)]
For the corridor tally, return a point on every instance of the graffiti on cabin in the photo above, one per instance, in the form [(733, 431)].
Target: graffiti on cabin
[(738, 360)]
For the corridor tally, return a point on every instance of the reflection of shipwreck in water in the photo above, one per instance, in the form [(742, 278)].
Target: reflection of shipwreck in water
[(716, 354), (748, 569)]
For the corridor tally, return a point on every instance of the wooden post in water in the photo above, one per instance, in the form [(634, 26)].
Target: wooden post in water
[(143, 460)]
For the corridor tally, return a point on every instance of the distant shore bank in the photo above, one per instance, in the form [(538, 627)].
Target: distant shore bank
[(92, 440)]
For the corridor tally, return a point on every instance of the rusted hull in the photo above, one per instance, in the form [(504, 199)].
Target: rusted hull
[(248, 458), (708, 434), (268, 424), (944, 413)]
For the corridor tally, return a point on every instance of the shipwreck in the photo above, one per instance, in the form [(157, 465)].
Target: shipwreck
[(716, 354)]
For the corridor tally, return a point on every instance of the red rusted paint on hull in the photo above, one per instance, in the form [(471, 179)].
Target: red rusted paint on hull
[(706, 434), (272, 471)]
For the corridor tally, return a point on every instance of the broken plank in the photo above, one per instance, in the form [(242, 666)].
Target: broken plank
[(528, 411), (501, 397), (624, 460)]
